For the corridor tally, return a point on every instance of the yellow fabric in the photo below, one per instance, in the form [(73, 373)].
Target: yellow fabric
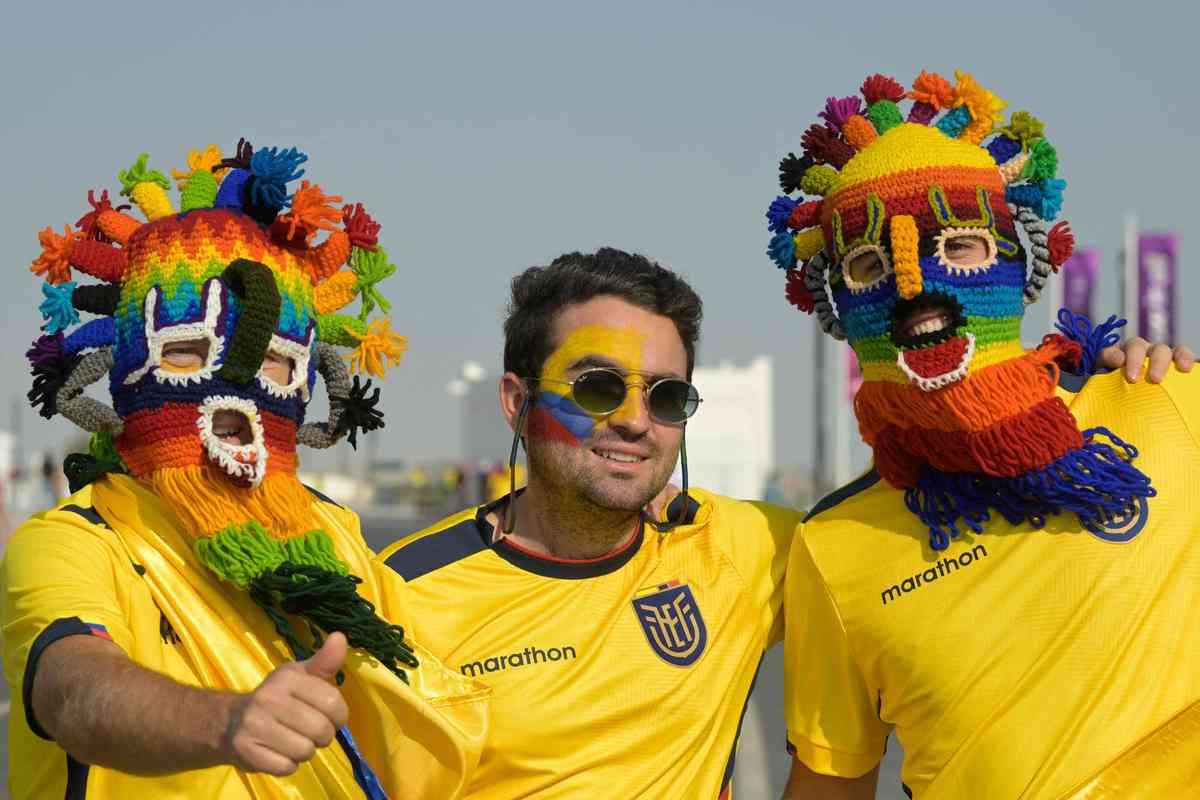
[(58, 565), (1031, 663), (610, 718)]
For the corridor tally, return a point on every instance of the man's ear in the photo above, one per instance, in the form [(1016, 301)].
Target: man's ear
[(513, 391)]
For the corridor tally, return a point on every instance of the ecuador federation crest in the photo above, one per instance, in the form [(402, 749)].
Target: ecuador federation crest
[(671, 620)]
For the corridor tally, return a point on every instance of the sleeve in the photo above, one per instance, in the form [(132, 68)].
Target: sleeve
[(832, 718), (781, 524), (1184, 391), (58, 579)]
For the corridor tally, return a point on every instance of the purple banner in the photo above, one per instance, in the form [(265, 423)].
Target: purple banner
[(1156, 286), (1080, 273)]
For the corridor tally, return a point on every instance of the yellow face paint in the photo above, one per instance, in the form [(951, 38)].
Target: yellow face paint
[(556, 416)]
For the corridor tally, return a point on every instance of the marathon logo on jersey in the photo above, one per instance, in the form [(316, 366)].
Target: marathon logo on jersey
[(671, 620)]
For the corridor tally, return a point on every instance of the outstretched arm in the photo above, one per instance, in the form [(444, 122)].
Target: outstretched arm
[(104, 709)]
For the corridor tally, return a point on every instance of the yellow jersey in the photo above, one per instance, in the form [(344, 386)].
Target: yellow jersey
[(625, 676), (1017, 662), (112, 562)]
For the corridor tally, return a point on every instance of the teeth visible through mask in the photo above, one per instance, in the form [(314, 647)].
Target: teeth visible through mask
[(243, 462)]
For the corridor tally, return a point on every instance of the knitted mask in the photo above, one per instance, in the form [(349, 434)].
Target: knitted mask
[(238, 273), (914, 239)]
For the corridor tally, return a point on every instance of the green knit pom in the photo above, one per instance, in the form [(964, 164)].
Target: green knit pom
[(884, 115), (1042, 164), (371, 268), (240, 553), (818, 179), (1024, 127), (200, 192), (332, 329), (315, 549), (139, 173)]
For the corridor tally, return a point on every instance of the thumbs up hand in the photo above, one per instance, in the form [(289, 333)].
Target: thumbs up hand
[(293, 711)]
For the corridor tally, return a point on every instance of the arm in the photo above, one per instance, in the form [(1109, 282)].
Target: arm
[(804, 784), (104, 709)]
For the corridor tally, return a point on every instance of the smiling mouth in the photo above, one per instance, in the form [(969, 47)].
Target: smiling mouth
[(620, 458), (231, 432), (925, 329)]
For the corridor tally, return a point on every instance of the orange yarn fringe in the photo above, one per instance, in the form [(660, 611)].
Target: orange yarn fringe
[(206, 501)]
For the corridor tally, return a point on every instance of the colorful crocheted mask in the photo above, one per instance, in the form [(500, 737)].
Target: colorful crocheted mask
[(242, 271), (914, 240)]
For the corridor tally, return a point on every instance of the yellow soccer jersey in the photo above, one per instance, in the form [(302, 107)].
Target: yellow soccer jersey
[(111, 562), (1018, 662), (625, 676)]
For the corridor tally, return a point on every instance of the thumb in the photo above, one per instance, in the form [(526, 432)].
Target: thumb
[(326, 662)]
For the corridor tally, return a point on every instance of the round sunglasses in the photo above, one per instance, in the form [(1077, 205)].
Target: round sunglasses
[(601, 391)]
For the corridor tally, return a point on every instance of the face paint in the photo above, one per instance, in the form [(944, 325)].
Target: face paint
[(556, 416)]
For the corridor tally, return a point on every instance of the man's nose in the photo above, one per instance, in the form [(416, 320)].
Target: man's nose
[(633, 415)]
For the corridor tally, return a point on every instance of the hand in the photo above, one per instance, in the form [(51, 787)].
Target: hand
[(1133, 352), (293, 712)]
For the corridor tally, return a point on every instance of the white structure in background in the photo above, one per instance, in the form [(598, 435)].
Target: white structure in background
[(731, 440)]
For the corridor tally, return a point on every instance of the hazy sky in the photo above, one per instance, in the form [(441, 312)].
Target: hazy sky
[(489, 137)]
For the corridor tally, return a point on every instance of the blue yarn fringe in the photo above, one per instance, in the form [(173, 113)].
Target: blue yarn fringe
[(777, 215), (1078, 328), (1096, 482), (273, 169)]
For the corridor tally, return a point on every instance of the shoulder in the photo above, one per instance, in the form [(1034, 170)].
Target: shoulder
[(864, 521), (748, 531), (442, 544), (842, 494), (1166, 412)]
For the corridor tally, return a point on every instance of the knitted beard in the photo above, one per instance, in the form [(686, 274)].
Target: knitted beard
[(240, 278), (958, 413)]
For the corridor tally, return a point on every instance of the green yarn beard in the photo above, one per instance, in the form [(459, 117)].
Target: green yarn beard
[(303, 578)]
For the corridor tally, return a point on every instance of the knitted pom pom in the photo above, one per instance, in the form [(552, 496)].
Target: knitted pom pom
[(1042, 163), (209, 159), (360, 227), (791, 172), (1003, 148), (358, 412), (89, 223), (147, 187), (54, 262), (825, 146), (884, 115), (932, 90), (839, 109), (881, 87), (1043, 198), (377, 349), (57, 308), (779, 212), (808, 243), (859, 132), (199, 191), (985, 107), (312, 210), (782, 250), (921, 113), (818, 180), (52, 365), (1060, 241), (371, 267), (273, 169), (798, 294), (954, 122), (804, 216), (1024, 127)]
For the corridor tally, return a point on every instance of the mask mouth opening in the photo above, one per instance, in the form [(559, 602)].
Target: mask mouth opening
[(232, 434), (927, 328)]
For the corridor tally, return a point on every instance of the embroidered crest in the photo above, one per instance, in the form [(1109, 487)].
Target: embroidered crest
[(1124, 525), (670, 618)]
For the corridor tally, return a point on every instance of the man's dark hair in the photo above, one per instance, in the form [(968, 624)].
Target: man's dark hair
[(540, 293)]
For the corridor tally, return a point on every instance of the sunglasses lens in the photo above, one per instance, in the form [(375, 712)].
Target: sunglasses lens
[(599, 391), (673, 401)]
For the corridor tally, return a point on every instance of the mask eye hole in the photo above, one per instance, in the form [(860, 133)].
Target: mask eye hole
[(184, 355), (964, 250), (278, 368), (865, 266)]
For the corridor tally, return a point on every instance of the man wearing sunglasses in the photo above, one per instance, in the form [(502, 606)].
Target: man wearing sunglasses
[(621, 634)]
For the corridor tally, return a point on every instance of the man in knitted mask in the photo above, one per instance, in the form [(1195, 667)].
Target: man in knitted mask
[(208, 561), (975, 588)]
